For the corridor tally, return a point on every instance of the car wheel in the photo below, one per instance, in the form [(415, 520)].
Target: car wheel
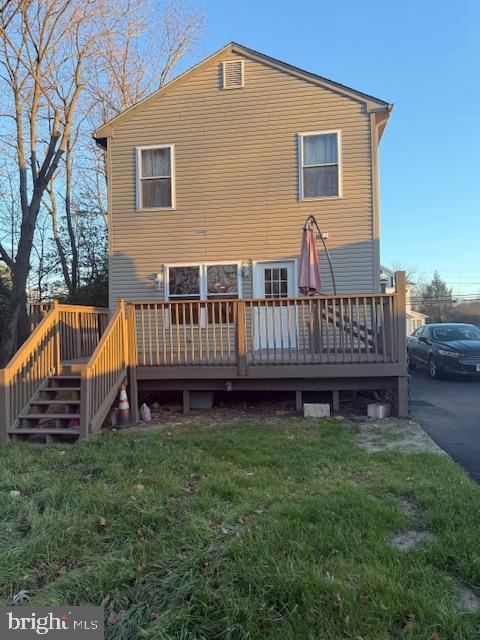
[(410, 364), (433, 368)]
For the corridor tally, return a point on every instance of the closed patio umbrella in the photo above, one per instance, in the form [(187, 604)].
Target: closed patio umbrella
[(309, 280)]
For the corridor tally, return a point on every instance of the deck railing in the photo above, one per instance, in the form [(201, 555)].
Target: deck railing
[(37, 358), (104, 373), (81, 328), (347, 329), (66, 332), (36, 312)]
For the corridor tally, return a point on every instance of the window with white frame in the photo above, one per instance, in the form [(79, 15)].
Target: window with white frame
[(199, 283), (319, 164), (155, 184)]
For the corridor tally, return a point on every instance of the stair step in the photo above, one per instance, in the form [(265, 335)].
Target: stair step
[(47, 402), (49, 416), (66, 377), (57, 389), (71, 370), (46, 430)]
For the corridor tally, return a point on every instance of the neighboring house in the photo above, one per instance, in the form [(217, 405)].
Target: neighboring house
[(210, 182), (414, 319)]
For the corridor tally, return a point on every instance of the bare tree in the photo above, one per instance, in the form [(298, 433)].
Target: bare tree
[(65, 67), (145, 47), (144, 50), (46, 48)]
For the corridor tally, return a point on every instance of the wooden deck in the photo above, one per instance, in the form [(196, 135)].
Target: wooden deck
[(334, 342), (293, 344)]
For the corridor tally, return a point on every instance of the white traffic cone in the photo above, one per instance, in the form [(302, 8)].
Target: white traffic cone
[(123, 407)]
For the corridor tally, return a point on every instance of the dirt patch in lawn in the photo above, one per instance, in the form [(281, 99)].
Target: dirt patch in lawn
[(394, 434), (410, 509), (465, 599), (170, 417), (411, 539)]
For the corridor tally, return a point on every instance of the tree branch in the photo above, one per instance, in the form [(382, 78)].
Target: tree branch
[(6, 258)]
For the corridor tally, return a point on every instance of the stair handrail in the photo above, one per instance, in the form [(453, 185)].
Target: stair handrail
[(16, 388), (99, 388)]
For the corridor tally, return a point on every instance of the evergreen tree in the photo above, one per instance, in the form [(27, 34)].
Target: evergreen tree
[(437, 300)]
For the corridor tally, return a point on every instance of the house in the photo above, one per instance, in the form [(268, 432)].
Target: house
[(210, 182), (413, 318)]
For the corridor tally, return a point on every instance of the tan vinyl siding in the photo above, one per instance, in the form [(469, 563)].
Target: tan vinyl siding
[(237, 180)]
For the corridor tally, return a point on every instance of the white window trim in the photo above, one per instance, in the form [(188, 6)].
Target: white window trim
[(242, 64), (203, 277), (138, 178), (301, 136)]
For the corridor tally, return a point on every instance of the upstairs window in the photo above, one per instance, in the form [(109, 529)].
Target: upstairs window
[(319, 165), (155, 188)]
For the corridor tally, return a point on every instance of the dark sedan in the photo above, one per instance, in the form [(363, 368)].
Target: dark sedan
[(453, 348)]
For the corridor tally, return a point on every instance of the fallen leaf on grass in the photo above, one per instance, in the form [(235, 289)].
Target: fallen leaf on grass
[(138, 488), (115, 616), (102, 522), (105, 601)]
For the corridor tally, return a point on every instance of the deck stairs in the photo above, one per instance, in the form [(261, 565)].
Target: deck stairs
[(62, 382), (53, 412)]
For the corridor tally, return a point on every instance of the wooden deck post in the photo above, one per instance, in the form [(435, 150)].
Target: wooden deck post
[(401, 295), (58, 355), (241, 338), (402, 381), (298, 400), (132, 362), (186, 401), (126, 354), (336, 400), (85, 405), (402, 408), (4, 404), (388, 318)]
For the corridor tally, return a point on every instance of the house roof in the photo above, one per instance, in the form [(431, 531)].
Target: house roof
[(372, 104)]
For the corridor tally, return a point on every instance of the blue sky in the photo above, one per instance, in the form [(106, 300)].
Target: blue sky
[(423, 56)]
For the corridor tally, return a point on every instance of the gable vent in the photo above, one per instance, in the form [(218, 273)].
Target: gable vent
[(233, 75)]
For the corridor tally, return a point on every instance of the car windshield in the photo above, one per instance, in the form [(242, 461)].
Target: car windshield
[(448, 334)]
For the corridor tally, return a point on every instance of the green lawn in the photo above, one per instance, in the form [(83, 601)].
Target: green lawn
[(275, 532)]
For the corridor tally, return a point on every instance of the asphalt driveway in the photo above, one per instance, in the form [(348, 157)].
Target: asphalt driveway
[(449, 411)]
